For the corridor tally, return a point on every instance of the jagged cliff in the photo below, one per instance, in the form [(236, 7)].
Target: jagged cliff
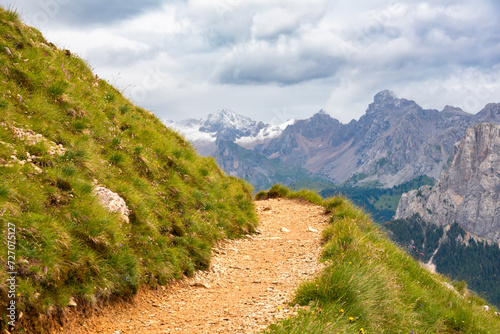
[(468, 192)]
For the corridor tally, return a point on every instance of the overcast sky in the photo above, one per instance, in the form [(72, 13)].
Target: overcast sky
[(278, 59)]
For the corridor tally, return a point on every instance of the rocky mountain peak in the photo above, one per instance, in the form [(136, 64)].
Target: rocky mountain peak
[(229, 125), (227, 119), (384, 97), (322, 116), (489, 114), (321, 113), (454, 110), (386, 103)]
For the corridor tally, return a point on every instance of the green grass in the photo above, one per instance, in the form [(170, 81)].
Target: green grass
[(68, 244), (389, 202), (372, 286)]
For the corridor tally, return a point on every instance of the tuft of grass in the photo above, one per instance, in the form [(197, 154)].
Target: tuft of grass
[(124, 109), (57, 89), (12, 15), (332, 203), (371, 284)]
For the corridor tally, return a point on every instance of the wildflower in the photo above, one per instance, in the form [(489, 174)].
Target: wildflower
[(361, 330), (341, 311), (351, 319)]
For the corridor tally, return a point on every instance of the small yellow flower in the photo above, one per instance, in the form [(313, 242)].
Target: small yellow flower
[(341, 311), (361, 330), (351, 319), (312, 312)]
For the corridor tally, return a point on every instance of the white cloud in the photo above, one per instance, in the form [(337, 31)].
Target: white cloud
[(257, 56)]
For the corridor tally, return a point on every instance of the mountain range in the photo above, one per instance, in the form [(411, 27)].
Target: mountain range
[(395, 141)]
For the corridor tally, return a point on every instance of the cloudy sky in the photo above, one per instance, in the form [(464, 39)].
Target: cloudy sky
[(278, 59)]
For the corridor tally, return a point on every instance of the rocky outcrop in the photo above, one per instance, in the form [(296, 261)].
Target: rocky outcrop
[(112, 202), (31, 138), (468, 192)]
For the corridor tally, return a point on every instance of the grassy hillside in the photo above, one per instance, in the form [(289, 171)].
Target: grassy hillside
[(64, 131), (372, 286)]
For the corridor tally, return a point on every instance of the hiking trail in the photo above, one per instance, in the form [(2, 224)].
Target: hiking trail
[(247, 287)]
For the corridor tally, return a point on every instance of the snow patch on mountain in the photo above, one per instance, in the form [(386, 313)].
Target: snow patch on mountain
[(227, 125), (266, 133), (190, 129)]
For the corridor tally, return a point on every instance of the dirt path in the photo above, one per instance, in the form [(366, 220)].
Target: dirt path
[(247, 287)]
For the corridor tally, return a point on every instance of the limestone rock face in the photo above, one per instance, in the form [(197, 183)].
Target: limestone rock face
[(113, 202), (468, 192)]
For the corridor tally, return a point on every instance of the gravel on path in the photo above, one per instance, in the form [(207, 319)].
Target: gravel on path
[(248, 286)]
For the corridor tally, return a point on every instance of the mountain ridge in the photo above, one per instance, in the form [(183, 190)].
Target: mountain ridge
[(395, 141)]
